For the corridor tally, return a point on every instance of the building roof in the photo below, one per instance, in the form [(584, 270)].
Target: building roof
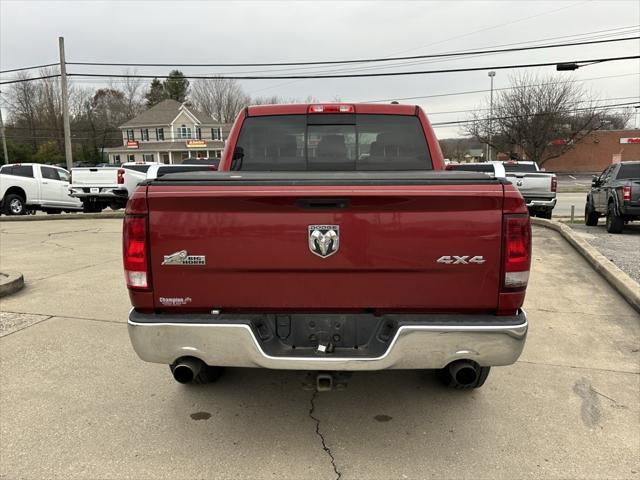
[(164, 113), (179, 146)]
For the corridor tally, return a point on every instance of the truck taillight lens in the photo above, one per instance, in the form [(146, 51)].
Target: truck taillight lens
[(134, 251), (332, 108), (626, 193), (120, 176), (517, 251), (554, 183)]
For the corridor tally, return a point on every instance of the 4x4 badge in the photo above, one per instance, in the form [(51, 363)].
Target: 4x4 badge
[(324, 240)]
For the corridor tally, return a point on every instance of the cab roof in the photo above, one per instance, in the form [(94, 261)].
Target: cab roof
[(304, 108)]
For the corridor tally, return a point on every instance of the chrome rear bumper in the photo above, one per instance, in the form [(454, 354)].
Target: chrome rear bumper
[(413, 346)]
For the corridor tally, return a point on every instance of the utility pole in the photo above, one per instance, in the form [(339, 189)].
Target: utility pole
[(68, 154), (491, 75), (4, 139)]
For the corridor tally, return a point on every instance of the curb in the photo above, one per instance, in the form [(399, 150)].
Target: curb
[(73, 216), (623, 283), (10, 282)]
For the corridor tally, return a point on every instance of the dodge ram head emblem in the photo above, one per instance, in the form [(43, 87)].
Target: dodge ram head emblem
[(324, 240)]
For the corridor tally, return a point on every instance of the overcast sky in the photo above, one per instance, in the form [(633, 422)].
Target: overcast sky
[(261, 31)]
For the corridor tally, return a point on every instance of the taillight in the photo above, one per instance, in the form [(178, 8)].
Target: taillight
[(134, 251), (517, 251), (120, 176), (626, 193), (331, 108), (554, 183)]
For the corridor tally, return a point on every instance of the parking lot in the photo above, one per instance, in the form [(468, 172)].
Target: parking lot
[(77, 403)]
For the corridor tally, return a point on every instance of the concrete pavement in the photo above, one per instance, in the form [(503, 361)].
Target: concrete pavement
[(77, 403)]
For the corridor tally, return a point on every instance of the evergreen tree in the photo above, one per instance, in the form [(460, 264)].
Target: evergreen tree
[(156, 93), (176, 86)]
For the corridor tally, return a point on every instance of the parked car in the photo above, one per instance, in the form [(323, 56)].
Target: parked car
[(536, 186), (26, 187), (101, 187), (615, 193), (318, 249), (495, 169)]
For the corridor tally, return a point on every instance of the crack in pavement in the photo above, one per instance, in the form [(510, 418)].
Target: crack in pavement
[(322, 439), (578, 367), (27, 326), (73, 270)]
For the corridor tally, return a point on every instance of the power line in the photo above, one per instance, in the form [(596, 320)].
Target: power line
[(495, 89), (600, 107), (29, 68), (365, 60), (351, 75), (30, 79)]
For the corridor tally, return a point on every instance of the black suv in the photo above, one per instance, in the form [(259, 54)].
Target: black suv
[(616, 195)]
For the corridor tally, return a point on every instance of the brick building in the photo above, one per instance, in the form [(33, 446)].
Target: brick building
[(598, 150)]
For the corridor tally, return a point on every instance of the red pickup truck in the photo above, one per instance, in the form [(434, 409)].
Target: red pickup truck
[(330, 240)]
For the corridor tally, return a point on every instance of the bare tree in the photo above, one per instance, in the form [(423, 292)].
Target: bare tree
[(22, 100), (219, 98), (541, 117), (133, 94)]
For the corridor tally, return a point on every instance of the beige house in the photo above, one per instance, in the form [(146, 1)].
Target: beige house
[(169, 132)]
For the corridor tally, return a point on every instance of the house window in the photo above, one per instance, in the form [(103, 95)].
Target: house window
[(184, 132), (160, 133), (115, 158), (131, 157), (217, 153), (198, 133), (144, 133), (216, 133), (130, 135), (147, 157)]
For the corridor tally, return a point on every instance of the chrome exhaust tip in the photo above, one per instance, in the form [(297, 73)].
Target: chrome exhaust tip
[(186, 370)]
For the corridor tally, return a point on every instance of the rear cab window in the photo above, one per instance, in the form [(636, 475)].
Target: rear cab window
[(327, 142), (628, 170), (471, 168), (520, 167), (18, 170), (138, 168)]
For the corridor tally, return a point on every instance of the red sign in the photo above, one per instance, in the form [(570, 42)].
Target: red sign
[(196, 144), (630, 140), (132, 144)]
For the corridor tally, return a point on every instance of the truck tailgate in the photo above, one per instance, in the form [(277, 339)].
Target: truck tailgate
[(532, 184), (257, 254), (94, 176)]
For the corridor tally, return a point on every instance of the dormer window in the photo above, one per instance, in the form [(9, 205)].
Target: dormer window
[(184, 132)]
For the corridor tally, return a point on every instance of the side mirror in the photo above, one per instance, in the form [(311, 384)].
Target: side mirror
[(595, 182)]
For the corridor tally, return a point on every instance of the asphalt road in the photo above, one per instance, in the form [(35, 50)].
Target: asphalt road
[(621, 249), (76, 402), (565, 200)]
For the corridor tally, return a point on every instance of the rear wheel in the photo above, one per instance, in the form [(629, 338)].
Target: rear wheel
[(91, 207), (615, 223), (14, 205), (463, 375), (545, 214), (590, 215)]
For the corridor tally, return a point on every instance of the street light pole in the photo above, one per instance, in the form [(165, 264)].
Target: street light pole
[(4, 139), (68, 153), (491, 75)]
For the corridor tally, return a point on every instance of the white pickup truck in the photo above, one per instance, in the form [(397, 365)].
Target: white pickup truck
[(26, 187), (536, 186), (101, 187)]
